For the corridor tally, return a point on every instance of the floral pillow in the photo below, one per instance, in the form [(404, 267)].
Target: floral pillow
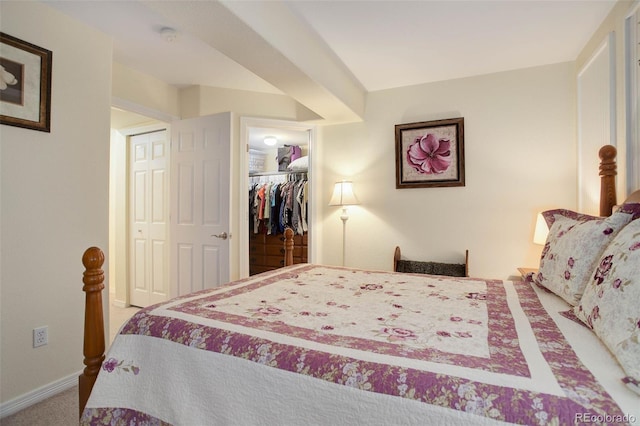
[(611, 301), (631, 208), (572, 249), (551, 215)]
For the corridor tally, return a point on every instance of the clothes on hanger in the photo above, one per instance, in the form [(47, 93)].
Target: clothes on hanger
[(278, 202)]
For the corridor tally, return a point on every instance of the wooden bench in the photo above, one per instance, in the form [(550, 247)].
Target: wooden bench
[(432, 268)]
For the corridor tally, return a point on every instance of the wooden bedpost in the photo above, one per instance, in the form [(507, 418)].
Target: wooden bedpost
[(396, 257), (608, 172), (288, 247), (94, 344)]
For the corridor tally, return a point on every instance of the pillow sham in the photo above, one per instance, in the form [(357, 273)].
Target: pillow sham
[(631, 208), (571, 251), (611, 301), (550, 216), (299, 164)]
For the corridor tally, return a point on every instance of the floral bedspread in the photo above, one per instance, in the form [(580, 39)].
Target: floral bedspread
[(486, 348)]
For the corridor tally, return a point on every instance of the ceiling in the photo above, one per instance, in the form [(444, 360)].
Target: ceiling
[(328, 55)]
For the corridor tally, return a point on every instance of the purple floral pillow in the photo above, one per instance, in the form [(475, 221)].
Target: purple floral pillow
[(550, 216), (631, 208), (611, 301), (572, 249)]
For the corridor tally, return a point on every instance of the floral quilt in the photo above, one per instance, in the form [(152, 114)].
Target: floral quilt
[(482, 348)]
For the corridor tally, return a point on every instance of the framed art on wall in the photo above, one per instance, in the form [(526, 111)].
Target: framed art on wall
[(430, 154), (25, 84)]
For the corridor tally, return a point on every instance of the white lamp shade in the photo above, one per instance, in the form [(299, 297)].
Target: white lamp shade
[(343, 194), (541, 232)]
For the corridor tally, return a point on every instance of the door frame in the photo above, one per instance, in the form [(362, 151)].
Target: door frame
[(246, 123), (119, 212), (632, 92), (118, 262)]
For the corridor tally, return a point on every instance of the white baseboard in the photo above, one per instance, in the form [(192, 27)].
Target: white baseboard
[(119, 304), (28, 399)]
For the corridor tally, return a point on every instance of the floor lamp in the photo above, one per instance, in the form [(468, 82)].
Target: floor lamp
[(343, 196)]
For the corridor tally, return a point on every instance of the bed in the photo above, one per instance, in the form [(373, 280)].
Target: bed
[(317, 344)]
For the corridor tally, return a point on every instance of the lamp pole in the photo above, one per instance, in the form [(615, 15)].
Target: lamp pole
[(343, 196), (344, 217)]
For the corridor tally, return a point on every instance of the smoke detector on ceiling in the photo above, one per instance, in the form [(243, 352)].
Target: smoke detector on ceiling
[(169, 34)]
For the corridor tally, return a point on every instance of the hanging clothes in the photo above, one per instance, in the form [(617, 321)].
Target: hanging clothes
[(275, 206)]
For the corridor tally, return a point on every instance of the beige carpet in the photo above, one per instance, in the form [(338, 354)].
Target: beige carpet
[(59, 410)]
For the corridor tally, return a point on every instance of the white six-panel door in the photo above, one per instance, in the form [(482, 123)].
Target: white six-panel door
[(148, 219), (200, 203)]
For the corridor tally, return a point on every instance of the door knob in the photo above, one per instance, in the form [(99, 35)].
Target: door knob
[(222, 236)]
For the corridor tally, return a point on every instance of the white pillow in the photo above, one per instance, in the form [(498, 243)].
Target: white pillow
[(299, 164)]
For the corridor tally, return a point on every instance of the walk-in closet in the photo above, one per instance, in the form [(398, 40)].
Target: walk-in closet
[(278, 198)]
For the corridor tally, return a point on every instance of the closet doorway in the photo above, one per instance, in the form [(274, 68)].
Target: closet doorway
[(277, 177)]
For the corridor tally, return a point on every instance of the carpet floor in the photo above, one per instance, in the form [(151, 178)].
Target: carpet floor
[(59, 410)]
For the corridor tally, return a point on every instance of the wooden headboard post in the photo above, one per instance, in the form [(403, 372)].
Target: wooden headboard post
[(396, 257), (608, 172), (94, 344), (288, 247)]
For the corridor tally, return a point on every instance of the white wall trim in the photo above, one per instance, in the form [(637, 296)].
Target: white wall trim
[(120, 304), (596, 104), (139, 130), (142, 110), (30, 398), (631, 93)]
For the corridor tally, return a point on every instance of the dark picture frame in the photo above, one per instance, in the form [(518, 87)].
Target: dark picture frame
[(430, 154), (25, 84)]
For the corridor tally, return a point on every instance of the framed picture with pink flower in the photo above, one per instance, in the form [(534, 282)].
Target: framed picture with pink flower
[(430, 154)]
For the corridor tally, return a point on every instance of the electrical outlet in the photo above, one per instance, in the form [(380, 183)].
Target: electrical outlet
[(40, 336)]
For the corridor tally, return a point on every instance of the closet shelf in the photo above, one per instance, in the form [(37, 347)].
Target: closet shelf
[(288, 172)]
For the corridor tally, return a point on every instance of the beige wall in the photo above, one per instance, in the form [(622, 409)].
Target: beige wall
[(142, 90), (520, 156), (197, 101), (514, 118), (54, 196)]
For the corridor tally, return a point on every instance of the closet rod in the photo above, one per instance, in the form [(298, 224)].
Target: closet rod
[(275, 173)]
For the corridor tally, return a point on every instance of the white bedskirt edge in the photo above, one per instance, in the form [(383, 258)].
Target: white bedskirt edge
[(37, 395)]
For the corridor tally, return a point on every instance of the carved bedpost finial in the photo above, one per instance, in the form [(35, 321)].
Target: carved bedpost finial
[(94, 343), (93, 259), (288, 247), (608, 172)]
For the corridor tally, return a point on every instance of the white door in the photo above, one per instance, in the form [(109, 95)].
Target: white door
[(148, 219), (200, 202)]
